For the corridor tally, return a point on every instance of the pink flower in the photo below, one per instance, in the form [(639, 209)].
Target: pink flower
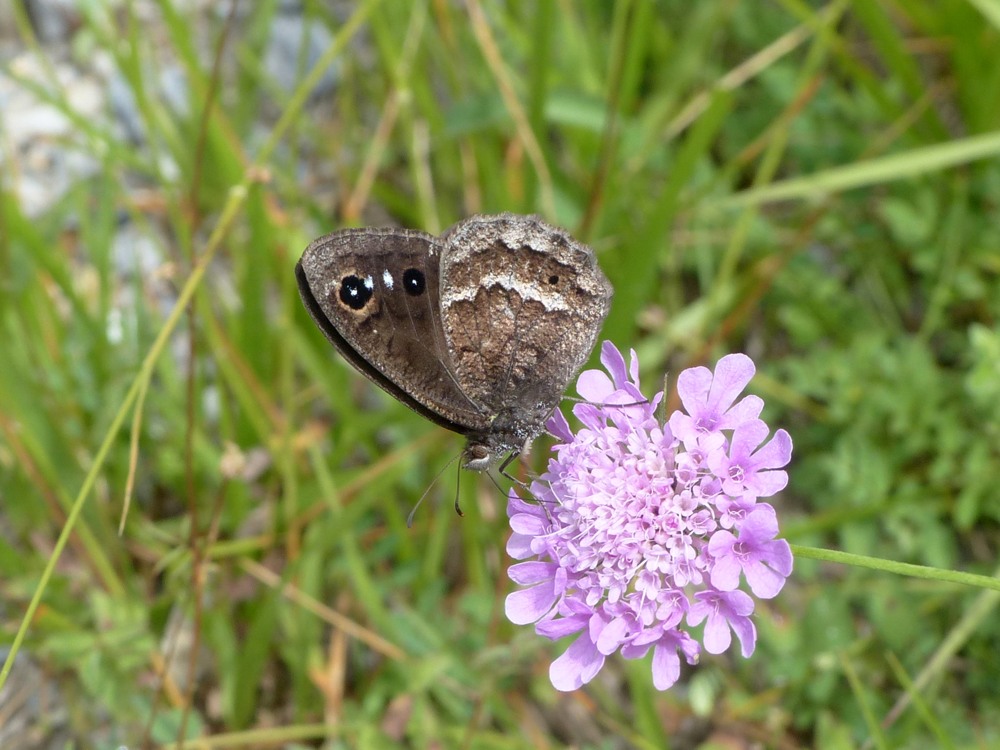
[(764, 560), (725, 610), (708, 397), (744, 472), (643, 530)]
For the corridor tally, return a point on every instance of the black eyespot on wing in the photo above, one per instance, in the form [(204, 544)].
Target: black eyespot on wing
[(553, 279), (414, 282), (354, 292)]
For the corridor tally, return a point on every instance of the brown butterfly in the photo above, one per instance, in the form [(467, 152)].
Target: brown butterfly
[(479, 330)]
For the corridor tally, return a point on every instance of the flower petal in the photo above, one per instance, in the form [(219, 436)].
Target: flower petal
[(777, 452), (760, 525), (732, 373), (717, 637), (530, 605), (635, 651), (612, 635), (577, 666), (560, 627), (693, 385), (528, 573), (779, 556), (517, 505), (767, 483), (746, 632), (746, 438), (747, 410), (594, 386), (633, 367), (764, 582), (666, 665), (527, 523), (614, 363), (725, 575), (519, 546), (558, 427)]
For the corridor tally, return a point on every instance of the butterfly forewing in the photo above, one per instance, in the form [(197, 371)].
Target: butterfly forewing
[(375, 293)]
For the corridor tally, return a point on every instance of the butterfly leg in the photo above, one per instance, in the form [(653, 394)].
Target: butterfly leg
[(503, 469)]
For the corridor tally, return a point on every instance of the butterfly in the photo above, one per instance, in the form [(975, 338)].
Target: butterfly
[(480, 330)]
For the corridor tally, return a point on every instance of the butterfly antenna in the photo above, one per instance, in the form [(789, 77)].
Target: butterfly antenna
[(458, 493), (413, 512)]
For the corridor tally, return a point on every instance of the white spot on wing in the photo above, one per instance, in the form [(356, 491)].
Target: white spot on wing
[(552, 300), (387, 279), (369, 283)]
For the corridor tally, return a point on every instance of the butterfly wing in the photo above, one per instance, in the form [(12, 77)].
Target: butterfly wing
[(522, 304), (375, 294)]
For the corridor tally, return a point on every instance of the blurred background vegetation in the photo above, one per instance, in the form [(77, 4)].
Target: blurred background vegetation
[(813, 183)]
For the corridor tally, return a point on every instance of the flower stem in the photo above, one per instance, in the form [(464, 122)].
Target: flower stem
[(891, 566)]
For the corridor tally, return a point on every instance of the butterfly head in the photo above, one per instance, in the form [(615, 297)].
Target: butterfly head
[(477, 457), (484, 451)]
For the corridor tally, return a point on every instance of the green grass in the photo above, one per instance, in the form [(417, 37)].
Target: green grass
[(815, 185)]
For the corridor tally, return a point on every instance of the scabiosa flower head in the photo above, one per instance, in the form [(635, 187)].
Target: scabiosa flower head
[(643, 531)]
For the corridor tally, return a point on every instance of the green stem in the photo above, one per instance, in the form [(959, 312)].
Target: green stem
[(904, 569)]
